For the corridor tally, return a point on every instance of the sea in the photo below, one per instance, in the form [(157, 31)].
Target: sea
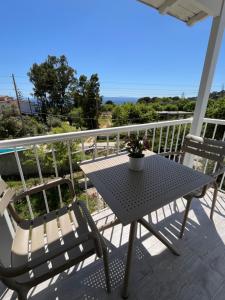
[(117, 100), (120, 100)]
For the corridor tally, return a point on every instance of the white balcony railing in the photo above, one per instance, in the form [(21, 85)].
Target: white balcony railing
[(77, 146)]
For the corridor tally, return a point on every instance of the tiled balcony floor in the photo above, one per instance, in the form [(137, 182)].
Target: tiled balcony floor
[(199, 273)]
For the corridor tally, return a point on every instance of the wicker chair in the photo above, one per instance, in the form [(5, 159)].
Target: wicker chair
[(39, 246), (210, 149)]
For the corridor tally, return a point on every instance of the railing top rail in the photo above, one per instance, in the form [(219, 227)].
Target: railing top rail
[(51, 138), (214, 121)]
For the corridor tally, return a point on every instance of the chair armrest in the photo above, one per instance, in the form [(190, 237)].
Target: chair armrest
[(16, 271), (87, 216), (91, 223), (45, 186), (218, 172)]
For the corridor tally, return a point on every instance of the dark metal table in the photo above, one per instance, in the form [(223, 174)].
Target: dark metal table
[(132, 195)]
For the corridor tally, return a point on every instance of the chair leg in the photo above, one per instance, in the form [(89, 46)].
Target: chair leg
[(185, 218), (106, 268), (22, 295), (214, 201)]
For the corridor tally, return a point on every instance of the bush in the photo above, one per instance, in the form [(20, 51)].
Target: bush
[(53, 122), (61, 153), (13, 127), (130, 113), (75, 117)]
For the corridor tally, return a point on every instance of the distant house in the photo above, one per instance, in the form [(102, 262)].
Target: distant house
[(27, 107), (8, 102)]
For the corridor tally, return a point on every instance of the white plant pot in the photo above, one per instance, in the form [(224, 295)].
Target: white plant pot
[(136, 164)]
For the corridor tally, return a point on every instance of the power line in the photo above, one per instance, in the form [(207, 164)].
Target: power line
[(126, 82)]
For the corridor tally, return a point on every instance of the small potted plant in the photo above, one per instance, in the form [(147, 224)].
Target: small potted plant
[(135, 147)]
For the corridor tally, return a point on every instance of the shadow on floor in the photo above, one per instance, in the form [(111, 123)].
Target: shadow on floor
[(199, 273)]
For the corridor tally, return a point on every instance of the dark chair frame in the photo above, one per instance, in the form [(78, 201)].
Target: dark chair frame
[(89, 234), (209, 149)]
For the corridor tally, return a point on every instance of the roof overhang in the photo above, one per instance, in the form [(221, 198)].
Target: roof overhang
[(188, 11)]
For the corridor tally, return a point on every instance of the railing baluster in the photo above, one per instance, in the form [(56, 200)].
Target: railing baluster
[(182, 142), (85, 187), (172, 138), (40, 177), (153, 140), (118, 143), (213, 136), (177, 141), (222, 179), (107, 146), (160, 138), (166, 140), (23, 182), (57, 175), (83, 151), (185, 128), (214, 131), (204, 132), (10, 223), (70, 162), (95, 148)]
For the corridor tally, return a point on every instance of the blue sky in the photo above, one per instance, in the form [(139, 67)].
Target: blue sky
[(135, 50)]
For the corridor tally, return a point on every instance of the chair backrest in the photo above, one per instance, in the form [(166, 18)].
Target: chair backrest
[(209, 149), (6, 195)]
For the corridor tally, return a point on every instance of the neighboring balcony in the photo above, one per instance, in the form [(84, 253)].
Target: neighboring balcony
[(198, 273)]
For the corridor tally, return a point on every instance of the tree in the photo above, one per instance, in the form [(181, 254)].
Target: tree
[(12, 127), (109, 102), (79, 93), (87, 96), (144, 100), (120, 115), (53, 81)]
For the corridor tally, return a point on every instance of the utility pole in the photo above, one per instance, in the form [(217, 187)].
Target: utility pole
[(222, 90), (17, 97), (31, 112)]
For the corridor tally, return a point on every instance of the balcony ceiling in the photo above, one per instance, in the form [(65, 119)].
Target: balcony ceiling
[(190, 11)]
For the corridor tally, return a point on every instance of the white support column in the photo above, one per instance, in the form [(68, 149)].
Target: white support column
[(214, 46)]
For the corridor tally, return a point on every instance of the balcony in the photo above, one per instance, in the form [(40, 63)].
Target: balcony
[(198, 273)]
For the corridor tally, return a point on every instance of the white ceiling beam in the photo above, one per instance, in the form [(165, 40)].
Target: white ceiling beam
[(163, 8), (201, 15), (211, 7)]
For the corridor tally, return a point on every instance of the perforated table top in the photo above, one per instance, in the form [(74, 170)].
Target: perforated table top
[(131, 194)]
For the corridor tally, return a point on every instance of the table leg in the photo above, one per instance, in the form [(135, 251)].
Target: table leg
[(185, 217), (132, 236), (159, 236)]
